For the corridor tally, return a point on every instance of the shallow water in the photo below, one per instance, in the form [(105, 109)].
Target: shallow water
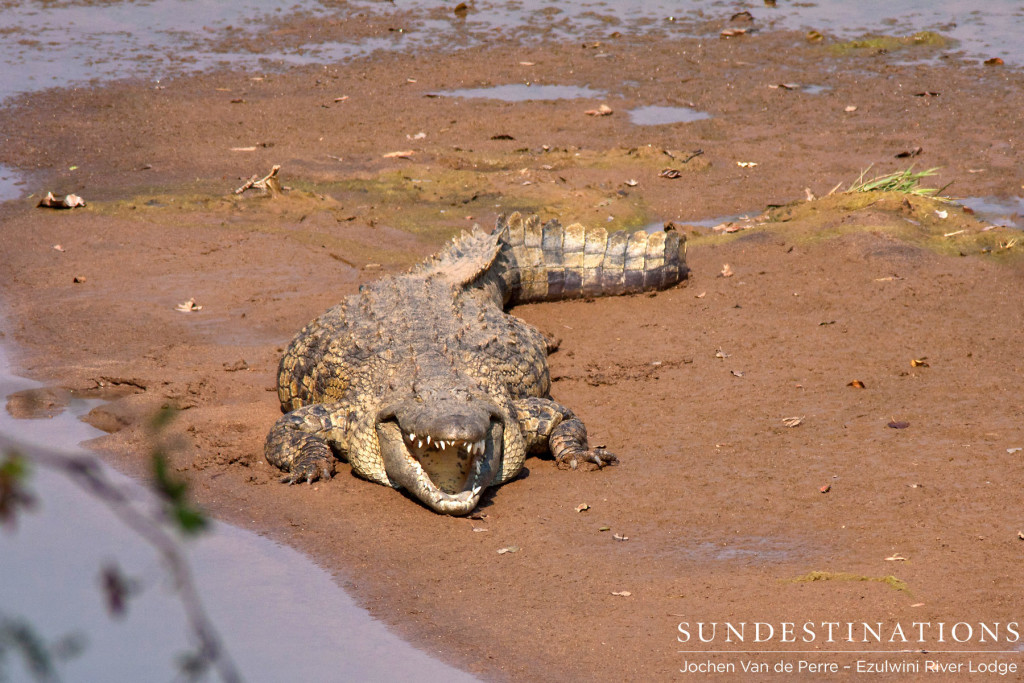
[(659, 116), (522, 92), (1007, 212), (280, 616), (57, 44)]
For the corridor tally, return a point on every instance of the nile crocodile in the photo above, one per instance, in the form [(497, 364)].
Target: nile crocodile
[(423, 382)]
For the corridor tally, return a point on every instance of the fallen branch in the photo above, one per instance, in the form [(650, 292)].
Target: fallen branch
[(268, 184)]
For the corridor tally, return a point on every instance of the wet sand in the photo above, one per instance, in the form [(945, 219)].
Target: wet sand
[(722, 503)]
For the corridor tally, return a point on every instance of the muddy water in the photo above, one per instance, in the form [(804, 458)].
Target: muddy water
[(60, 44), (266, 599)]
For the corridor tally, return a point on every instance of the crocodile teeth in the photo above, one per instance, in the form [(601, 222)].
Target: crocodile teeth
[(477, 490), (428, 439), (441, 444), (479, 447), (411, 437), (419, 444)]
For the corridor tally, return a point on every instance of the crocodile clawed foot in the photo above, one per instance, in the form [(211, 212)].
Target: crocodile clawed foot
[(601, 458), (596, 456), (309, 468)]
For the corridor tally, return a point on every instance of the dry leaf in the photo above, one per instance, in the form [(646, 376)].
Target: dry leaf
[(631, 183), (826, 488), (189, 306), (1020, 535), (919, 362), (243, 149), (509, 549), (732, 32), (814, 37), (603, 110), (582, 507), (404, 154), (621, 594), (896, 558), (341, 99), (417, 136), (1011, 451), (479, 529), (670, 173), (58, 247), (857, 384), (792, 421), (68, 201), (526, 63), (910, 153), (721, 354), (850, 108), (746, 164), (620, 537), (956, 232), (942, 214), (701, 295), (78, 279), (994, 61), (918, 604), (898, 424), (891, 278), (604, 528), (726, 271), (736, 373)]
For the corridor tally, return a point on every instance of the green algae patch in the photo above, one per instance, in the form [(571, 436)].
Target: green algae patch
[(454, 190), (882, 44), (379, 216), (933, 223), (889, 580)]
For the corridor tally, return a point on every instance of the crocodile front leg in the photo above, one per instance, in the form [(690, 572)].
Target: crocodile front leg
[(549, 426), (300, 442)]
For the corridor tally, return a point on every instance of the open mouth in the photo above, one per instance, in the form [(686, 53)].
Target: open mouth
[(447, 474), (448, 462)]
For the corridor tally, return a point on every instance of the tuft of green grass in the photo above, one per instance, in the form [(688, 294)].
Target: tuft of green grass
[(906, 181)]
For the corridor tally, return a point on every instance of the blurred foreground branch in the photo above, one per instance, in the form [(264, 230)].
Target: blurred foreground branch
[(155, 527)]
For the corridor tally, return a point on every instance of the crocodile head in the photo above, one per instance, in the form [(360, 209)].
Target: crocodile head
[(445, 446)]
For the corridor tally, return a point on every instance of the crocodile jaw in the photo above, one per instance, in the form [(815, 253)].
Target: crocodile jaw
[(403, 452)]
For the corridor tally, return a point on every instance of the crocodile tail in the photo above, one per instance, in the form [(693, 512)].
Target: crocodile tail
[(551, 261)]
